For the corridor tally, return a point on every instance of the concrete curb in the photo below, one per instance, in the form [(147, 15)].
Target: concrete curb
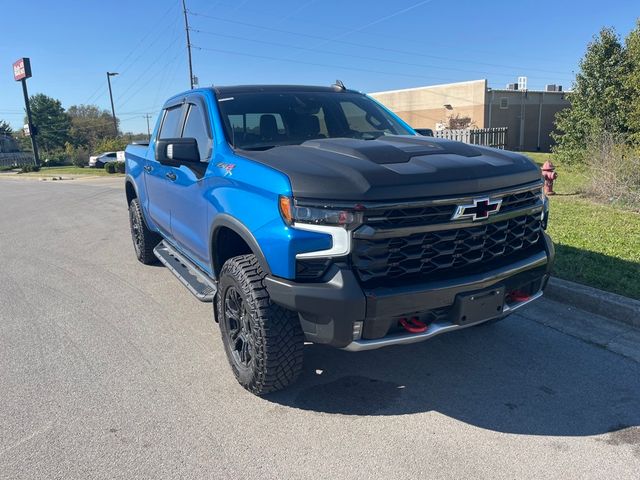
[(610, 305)]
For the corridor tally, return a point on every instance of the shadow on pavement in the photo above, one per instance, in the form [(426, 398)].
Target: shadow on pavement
[(515, 376)]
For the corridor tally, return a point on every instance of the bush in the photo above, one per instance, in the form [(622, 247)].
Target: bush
[(79, 155), (110, 167), (56, 158), (614, 170), (29, 168), (120, 167)]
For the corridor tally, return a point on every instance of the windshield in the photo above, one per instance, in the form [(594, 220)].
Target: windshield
[(263, 120)]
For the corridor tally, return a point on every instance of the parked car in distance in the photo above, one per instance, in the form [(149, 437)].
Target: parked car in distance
[(425, 132), (98, 161), (315, 214)]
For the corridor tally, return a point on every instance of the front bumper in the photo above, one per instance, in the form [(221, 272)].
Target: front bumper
[(329, 310)]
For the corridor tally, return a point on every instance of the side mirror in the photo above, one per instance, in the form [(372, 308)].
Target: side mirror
[(177, 151)]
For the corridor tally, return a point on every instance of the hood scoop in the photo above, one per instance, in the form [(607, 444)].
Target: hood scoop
[(390, 149)]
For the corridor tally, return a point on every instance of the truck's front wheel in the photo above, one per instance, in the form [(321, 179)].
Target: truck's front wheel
[(263, 341)]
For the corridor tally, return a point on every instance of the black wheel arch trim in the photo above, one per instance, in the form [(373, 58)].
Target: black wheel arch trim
[(129, 179), (232, 223)]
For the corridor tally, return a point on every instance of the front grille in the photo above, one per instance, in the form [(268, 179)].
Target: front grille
[(515, 201), (413, 216), (419, 254), (410, 216)]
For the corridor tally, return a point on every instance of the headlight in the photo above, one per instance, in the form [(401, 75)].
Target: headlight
[(330, 221), (292, 214)]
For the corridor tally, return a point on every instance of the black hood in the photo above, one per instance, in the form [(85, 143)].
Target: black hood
[(394, 168)]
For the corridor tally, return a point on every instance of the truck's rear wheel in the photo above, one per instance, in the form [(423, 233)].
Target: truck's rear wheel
[(144, 240), (263, 341)]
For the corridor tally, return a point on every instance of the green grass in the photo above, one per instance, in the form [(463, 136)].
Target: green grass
[(596, 244), (571, 179), (67, 171)]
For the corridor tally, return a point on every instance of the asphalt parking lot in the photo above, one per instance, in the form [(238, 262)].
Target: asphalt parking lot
[(111, 369)]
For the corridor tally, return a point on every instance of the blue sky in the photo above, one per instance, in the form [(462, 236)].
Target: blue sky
[(370, 46)]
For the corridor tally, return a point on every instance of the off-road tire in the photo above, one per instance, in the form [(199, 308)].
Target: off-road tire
[(273, 334), (144, 240)]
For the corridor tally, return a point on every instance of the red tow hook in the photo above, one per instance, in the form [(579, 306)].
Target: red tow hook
[(413, 325), (518, 296)]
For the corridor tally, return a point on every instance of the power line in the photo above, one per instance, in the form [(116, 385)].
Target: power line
[(302, 62), (155, 29), (146, 72), (124, 99), (317, 64), (266, 13), (375, 47), (362, 57), (375, 22)]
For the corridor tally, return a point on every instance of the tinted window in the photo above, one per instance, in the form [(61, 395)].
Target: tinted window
[(359, 119), (171, 123), (263, 120), (195, 127)]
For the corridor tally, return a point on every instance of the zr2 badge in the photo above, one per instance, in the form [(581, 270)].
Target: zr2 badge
[(227, 167)]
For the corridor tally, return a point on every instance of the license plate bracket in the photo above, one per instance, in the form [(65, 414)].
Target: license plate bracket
[(477, 306)]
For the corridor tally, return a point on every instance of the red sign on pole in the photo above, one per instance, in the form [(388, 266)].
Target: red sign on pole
[(21, 69)]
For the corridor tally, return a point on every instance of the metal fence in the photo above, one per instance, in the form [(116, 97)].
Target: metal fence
[(489, 137), (16, 159)]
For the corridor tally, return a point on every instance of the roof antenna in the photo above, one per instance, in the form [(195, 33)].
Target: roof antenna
[(340, 85)]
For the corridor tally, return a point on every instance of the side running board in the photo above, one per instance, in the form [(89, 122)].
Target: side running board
[(192, 277)]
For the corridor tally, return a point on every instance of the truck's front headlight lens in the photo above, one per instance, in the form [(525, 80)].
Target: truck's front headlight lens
[(292, 213)]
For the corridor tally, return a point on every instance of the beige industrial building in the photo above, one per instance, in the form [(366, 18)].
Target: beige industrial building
[(528, 114)]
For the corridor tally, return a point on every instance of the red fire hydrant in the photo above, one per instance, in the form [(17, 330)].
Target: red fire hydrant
[(549, 175)]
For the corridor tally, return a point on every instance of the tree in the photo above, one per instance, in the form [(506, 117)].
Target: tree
[(51, 121), (89, 125), (632, 81), (5, 128), (111, 145), (598, 100)]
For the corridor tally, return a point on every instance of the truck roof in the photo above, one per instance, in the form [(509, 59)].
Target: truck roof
[(232, 89)]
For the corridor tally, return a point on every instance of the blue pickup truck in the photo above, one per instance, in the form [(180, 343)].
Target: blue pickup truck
[(315, 214)]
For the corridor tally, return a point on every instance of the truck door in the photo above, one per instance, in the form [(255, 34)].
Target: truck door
[(189, 186), (156, 180)]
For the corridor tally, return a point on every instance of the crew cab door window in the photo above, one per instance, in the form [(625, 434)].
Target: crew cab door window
[(196, 127), (171, 123)]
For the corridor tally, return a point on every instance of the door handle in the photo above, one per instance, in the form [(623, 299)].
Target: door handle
[(148, 168), (171, 176)]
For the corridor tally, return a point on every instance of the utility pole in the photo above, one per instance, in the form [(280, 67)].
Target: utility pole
[(186, 28), (147, 116), (113, 110)]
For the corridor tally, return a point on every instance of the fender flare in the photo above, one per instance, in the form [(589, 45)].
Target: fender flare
[(232, 223), (129, 179)]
